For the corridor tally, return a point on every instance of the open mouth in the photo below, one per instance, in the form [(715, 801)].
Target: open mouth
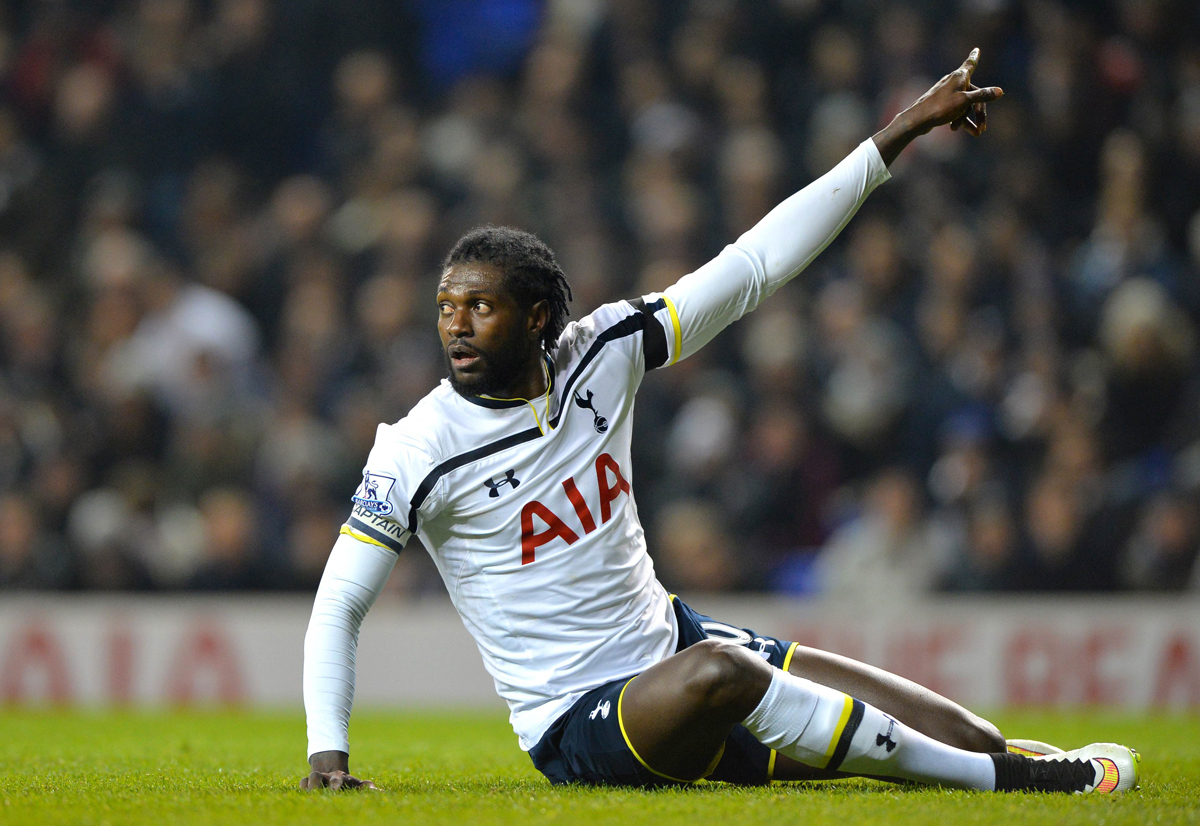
[(462, 356)]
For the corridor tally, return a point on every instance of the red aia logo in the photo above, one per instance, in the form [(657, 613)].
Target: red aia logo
[(555, 527)]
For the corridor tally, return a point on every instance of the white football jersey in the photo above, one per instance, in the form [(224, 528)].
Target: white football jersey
[(527, 507), (527, 510)]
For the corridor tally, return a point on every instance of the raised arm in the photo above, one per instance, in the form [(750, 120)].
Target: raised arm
[(354, 577), (783, 243)]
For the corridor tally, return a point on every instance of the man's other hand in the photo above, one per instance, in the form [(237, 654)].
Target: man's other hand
[(953, 100), (331, 770)]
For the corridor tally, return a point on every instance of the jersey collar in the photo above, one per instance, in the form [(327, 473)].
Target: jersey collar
[(493, 403)]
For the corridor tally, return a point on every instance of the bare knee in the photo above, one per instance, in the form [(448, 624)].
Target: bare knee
[(977, 734), (726, 677)]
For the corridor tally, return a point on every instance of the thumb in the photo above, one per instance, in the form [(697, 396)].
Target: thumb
[(984, 95)]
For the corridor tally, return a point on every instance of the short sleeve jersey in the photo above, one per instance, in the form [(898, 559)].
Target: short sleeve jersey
[(528, 512)]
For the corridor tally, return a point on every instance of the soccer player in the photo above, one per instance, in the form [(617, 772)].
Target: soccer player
[(515, 474)]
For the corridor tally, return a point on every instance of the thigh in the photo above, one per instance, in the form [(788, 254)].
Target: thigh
[(682, 716)]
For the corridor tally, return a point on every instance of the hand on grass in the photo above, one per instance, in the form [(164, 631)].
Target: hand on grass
[(331, 770), (335, 781)]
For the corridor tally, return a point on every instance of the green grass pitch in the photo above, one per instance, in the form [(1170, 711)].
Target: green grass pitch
[(242, 768)]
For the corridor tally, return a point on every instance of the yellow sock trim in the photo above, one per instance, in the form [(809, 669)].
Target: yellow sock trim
[(362, 537), (675, 326), (634, 752), (837, 732), (787, 661)]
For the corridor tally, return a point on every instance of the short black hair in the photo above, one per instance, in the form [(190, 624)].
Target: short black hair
[(531, 274)]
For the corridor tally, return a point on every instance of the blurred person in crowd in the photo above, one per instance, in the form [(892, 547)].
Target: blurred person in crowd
[(1126, 240), (867, 389), (30, 558), (193, 348), (788, 476), (1162, 553), (231, 558), (964, 465), (988, 551), (112, 538), (693, 549), (889, 548), (364, 84), (1061, 549), (876, 262), (703, 436), (1149, 344), (308, 547)]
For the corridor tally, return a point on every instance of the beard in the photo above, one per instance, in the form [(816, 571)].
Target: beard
[(494, 371)]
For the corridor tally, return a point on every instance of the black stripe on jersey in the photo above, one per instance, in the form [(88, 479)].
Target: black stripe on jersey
[(843, 744), (458, 461), (625, 327), (378, 535), (655, 339)]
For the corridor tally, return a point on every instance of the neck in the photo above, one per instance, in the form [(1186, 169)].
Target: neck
[(532, 382)]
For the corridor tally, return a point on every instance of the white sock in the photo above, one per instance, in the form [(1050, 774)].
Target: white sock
[(824, 728)]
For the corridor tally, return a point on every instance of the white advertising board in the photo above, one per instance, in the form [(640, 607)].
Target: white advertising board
[(248, 650)]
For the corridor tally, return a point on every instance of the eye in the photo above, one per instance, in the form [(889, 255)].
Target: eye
[(481, 307)]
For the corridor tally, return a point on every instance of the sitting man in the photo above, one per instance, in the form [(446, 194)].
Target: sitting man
[(515, 475)]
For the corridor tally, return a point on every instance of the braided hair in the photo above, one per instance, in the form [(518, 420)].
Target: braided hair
[(531, 274)]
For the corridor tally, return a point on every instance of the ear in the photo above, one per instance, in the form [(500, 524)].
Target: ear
[(539, 317)]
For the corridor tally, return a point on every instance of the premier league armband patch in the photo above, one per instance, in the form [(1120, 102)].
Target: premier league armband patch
[(374, 493)]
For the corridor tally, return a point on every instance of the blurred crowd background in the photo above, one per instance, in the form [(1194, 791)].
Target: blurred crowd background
[(221, 223)]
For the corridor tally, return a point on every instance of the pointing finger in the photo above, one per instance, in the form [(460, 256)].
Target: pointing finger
[(970, 63)]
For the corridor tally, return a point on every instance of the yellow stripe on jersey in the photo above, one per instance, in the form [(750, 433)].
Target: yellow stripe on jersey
[(362, 537), (675, 326), (837, 732)]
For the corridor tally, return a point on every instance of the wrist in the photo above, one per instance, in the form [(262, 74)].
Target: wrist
[(891, 140), (330, 761)]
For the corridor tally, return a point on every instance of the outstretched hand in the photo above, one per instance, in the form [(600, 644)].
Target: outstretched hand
[(953, 100)]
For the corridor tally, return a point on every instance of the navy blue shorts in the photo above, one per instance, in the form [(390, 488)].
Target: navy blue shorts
[(587, 744)]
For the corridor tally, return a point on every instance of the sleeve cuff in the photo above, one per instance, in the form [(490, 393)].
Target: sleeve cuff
[(879, 173)]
